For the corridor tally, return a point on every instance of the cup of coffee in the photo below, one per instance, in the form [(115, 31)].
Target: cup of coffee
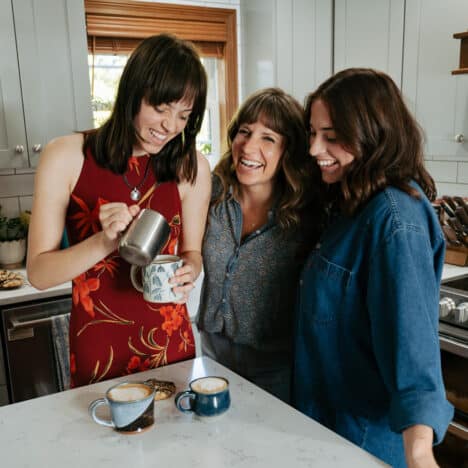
[(207, 397), (153, 279), (131, 407), (146, 236)]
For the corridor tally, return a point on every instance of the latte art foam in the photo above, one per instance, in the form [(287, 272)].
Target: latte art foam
[(129, 392), (209, 385)]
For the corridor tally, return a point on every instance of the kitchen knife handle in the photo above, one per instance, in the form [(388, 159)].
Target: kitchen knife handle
[(447, 209), (450, 201)]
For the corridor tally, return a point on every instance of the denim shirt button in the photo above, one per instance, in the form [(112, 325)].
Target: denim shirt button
[(301, 282), (223, 300), (227, 275), (257, 231)]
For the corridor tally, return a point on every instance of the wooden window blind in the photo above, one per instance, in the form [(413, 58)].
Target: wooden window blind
[(117, 26)]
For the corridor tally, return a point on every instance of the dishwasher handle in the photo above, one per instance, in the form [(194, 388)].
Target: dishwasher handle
[(19, 324), (23, 329)]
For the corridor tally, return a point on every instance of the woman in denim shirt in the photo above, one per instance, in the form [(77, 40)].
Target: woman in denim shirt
[(367, 358), (250, 248)]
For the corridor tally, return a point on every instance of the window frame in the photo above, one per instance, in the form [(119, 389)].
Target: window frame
[(211, 29)]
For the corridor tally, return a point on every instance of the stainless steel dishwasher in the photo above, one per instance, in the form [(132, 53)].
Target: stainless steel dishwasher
[(29, 349)]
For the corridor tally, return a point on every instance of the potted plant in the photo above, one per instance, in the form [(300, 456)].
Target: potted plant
[(13, 233)]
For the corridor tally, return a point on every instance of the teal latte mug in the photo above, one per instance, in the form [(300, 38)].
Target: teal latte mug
[(206, 397)]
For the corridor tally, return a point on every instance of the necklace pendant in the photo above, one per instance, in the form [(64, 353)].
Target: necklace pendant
[(135, 194)]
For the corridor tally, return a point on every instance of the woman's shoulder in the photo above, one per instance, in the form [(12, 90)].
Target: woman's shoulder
[(65, 153), (394, 209), (202, 183)]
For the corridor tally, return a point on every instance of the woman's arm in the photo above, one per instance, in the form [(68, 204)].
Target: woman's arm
[(195, 201), (418, 446), (58, 171)]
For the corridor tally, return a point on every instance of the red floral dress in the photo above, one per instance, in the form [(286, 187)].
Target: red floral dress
[(113, 330)]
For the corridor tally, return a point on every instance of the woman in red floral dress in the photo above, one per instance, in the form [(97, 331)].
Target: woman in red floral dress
[(95, 183)]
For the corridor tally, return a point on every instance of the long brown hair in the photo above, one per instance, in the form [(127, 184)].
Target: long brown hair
[(281, 113), (372, 122), (161, 70)]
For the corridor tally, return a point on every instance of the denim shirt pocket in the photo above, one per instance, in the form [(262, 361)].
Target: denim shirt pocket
[(324, 285)]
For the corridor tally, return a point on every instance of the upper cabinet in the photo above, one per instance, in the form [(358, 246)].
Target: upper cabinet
[(413, 42), (438, 99), (44, 84)]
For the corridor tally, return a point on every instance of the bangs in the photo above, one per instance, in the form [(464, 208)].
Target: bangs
[(267, 112), (181, 80)]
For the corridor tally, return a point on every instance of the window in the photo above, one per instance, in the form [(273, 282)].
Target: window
[(104, 74), (114, 29)]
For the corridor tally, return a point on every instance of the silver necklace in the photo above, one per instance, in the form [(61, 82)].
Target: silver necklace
[(135, 193)]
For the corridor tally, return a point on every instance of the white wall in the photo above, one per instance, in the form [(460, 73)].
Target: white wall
[(286, 43)]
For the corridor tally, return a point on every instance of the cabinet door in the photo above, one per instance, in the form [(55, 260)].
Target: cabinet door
[(369, 34), (438, 99), (12, 130), (52, 54)]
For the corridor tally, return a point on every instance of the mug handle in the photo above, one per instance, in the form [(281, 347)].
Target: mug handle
[(92, 411), (135, 276), (180, 397)]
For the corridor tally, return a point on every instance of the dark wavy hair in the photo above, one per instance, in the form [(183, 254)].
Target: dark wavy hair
[(161, 70), (372, 122), (281, 113)]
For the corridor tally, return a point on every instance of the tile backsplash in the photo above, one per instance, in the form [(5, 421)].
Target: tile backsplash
[(16, 190)]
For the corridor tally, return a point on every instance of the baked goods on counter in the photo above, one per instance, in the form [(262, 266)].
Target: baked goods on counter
[(10, 279)]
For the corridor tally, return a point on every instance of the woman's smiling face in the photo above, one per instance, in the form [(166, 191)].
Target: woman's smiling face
[(256, 152), (157, 125), (329, 154)]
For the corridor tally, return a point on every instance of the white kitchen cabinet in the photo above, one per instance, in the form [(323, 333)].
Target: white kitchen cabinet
[(438, 99), (44, 84), (413, 42)]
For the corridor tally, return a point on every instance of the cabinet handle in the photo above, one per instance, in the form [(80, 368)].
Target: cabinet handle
[(37, 148), (459, 138), (19, 149)]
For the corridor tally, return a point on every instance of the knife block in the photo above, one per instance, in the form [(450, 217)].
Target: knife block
[(456, 255)]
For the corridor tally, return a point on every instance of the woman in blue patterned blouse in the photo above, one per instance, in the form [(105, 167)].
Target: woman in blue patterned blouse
[(250, 248)]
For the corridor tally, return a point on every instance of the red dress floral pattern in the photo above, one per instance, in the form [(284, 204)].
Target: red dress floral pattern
[(113, 330)]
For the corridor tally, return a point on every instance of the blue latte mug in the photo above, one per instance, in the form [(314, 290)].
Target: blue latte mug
[(208, 396)]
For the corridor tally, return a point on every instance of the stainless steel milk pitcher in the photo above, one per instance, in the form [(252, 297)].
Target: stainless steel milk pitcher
[(145, 238)]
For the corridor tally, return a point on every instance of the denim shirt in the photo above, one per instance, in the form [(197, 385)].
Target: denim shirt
[(367, 358)]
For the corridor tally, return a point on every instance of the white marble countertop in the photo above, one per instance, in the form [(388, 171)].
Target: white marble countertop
[(29, 293), (259, 430)]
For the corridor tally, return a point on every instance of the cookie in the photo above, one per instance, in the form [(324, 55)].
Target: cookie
[(10, 279), (164, 389)]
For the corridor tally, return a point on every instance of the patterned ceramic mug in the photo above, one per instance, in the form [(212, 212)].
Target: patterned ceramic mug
[(131, 407), (153, 279)]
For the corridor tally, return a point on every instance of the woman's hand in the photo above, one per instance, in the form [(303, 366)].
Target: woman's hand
[(115, 217), (417, 440), (184, 280)]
